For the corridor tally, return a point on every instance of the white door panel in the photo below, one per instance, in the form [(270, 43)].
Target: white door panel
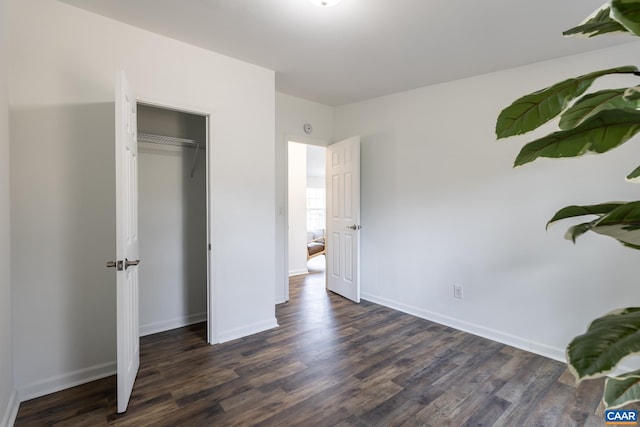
[(128, 338), (343, 219)]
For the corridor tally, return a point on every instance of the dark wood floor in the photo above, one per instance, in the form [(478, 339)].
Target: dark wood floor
[(331, 363)]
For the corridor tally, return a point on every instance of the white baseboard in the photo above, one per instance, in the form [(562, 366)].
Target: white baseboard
[(479, 330), (166, 325), (247, 330), (83, 376), (11, 411), (298, 272), (65, 381)]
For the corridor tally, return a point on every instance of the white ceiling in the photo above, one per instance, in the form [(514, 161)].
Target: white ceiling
[(361, 49)]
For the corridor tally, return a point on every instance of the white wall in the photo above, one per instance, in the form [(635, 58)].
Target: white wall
[(441, 205), (291, 114), (8, 398), (297, 208), (63, 66)]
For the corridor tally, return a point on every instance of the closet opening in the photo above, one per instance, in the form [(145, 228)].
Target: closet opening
[(173, 219)]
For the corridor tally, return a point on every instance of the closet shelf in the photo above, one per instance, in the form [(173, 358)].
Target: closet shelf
[(171, 141), (168, 140)]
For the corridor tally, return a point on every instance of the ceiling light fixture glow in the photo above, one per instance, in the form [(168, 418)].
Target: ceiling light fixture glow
[(325, 3)]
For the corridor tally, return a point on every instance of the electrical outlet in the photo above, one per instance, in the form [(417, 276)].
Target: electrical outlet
[(457, 291)]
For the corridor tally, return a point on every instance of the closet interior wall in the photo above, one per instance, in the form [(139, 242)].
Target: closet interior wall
[(172, 220)]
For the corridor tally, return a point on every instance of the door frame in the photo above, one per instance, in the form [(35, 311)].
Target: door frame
[(212, 301), (307, 140)]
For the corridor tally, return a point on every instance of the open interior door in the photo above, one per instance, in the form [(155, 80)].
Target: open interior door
[(343, 218), (128, 340)]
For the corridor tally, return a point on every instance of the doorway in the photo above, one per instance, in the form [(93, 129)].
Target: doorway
[(306, 210), (172, 181)]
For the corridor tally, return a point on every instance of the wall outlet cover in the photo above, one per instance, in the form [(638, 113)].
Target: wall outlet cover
[(457, 291)]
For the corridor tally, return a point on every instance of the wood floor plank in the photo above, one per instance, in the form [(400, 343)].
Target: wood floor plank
[(551, 407), (331, 363), (402, 409), (544, 378)]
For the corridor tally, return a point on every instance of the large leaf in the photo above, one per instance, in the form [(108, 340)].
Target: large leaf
[(622, 390), (634, 175), (608, 340), (620, 220), (574, 211), (622, 223), (602, 132), (627, 12), (578, 230), (632, 93), (599, 22), (535, 109), (630, 239), (590, 104)]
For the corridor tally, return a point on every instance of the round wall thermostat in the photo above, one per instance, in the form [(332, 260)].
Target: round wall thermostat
[(307, 128)]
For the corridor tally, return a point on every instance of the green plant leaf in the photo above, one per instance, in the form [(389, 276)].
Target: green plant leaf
[(627, 214), (578, 230), (622, 223), (574, 211), (590, 104), (633, 176), (630, 239), (599, 22), (632, 93), (622, 390), (602, 132), (608, 340), (627, 13), (535, 109), (620, 220)]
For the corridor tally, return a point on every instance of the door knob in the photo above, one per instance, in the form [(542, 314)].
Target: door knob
[(354, 227), (122, 265), (118, 265), (128, 263)]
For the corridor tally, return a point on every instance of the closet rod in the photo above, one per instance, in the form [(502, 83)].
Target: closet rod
[(173, 142), (166, 140)]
